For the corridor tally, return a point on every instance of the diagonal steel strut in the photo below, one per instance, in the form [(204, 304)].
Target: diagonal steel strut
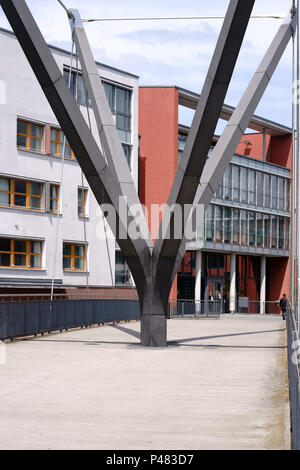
[(108, 175), (221, 156), (109, 137), (102, 178)]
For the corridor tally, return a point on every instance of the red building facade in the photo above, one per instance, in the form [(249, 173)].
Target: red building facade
[(244, 251)]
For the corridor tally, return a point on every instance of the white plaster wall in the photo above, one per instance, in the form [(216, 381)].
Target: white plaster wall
[(21, 96)]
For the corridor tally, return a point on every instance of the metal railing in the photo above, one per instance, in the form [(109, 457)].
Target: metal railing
[(19, 319), (294, 376), (195, 309)]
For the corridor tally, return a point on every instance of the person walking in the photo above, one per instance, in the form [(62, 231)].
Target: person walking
[(283, 303)]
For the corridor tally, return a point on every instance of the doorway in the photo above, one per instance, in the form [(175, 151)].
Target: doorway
[(213, 297)]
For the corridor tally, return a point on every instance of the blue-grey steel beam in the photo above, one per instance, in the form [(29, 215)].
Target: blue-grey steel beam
[(225, 148), (197, 146)]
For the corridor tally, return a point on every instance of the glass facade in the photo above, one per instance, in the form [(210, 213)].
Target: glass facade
[(254, 188), (251, 206), (246, 228)]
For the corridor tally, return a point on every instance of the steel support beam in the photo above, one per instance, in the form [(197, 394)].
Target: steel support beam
[(103, 178), (223, 152), (106, 170)]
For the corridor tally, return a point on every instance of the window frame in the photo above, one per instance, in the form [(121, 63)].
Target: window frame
[(59, 144), (51, 198), (28, 135), (28, 253), (28, 195), (84, 203), (72, 257)]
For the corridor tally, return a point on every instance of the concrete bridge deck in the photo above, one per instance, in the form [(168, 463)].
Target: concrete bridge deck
[(221, 384)]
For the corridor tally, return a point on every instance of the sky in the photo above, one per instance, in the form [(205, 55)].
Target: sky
[(174, 52)]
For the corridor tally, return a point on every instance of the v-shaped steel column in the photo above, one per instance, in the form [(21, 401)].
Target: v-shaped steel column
[(108, 175)]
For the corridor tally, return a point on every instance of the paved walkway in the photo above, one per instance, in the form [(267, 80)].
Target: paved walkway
[(221, 384)]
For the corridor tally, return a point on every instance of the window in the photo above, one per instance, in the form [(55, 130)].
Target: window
[(281, 234), (227, 225), (119, 100), (77, 86), (281, 194), (54, 198), (267, 231), (236, 226), (219, 194), (251, 218), (259, 188), (127, 152), (20, 193), (209, 224), (252, 185), (267, 191), (259, 221), (236, 183), (274, 232), (29, 135), (122, 274), (57, 144), (82, 195), (74, 257), (20, 253), (219, 224), (244, 231), (181, 144), (227, 184), (274, 192), (244, 185)]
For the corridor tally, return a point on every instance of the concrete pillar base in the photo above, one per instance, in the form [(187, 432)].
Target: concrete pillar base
[(154, 331)]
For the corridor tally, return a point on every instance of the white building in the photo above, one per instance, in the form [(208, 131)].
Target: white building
[(31, 247)]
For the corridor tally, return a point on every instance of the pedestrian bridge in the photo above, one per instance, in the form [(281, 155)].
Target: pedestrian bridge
[(221, 384)]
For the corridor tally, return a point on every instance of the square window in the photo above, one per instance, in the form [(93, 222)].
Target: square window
[(4, 184), (20, 260), (20, 187), (35, 144), (79, 250), (35, 131), (35, 189), (35, 261), (4, 259), (5, 244), (21, 141), (67, 250), (20, 200), (21, 127), (78, 263), (35, 247), (20, 246), (67, 263)]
